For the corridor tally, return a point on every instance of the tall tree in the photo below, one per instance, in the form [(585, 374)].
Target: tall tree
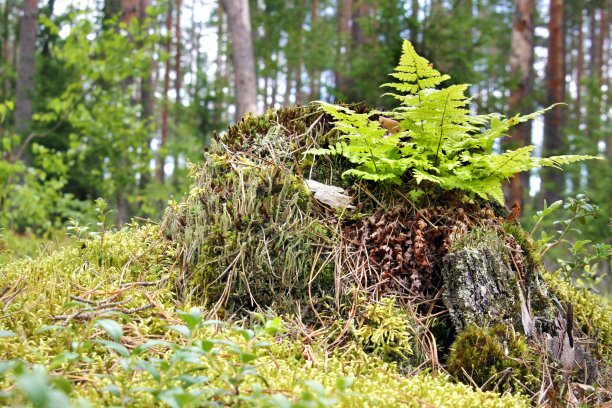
[(161, 157), (344, 14), (242, 56), (521, 69), (26, 67), (177, 59), (553, 181)]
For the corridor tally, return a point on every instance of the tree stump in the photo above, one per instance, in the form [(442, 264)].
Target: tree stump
[(480, 288)]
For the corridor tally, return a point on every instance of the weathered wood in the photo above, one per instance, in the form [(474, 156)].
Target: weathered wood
[(480, 289)]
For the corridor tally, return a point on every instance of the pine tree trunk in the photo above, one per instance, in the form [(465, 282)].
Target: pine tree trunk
[(288, 86), (313, 73), (300, 60), (579, 69), (161, 158), (177, 61), (521, 69), (6, 49), (242, 56), (344, 13), (553, 181), (26, 67), (218, 104), (146, 96)]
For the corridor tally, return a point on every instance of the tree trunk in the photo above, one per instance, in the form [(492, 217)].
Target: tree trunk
[(313, 73), (218, 103), (344, 13), (177, 61), (26, 67), (242, 56), (146, 96), (553, 181), (288, 86), (6, 85), (579, 69), (300, 59), (161, 158), (521, 69)]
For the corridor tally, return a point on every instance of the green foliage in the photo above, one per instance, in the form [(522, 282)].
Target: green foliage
[(495, 359), (108, 150), (31, 196), (440, 140), (584, 255)]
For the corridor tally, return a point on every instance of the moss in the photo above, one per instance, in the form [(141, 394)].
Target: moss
[(38, 290), (377, 383), (386, 330), (592, 312), (529, 247), (250, 236), (494, 358)]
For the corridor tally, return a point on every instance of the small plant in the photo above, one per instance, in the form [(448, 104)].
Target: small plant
[(438, 138), (584, 255), (100, 209)]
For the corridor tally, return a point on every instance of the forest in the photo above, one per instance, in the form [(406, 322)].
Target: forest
[(306, 203)]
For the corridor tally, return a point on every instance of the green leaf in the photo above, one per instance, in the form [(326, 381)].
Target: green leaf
[(316, 387), (112, 345), (184, 330), (111, 327), (8, 333), (192, 319), (149, 368), (342, 383)]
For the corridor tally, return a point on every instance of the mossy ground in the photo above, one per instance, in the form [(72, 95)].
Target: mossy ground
[(41, 289)]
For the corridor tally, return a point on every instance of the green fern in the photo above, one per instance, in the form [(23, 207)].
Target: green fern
[(440, 141)]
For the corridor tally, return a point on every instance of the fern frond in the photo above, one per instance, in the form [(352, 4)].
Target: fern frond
[(414, 72), (556, 161), (440, 141)]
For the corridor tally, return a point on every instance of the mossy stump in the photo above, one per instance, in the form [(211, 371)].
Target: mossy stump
[(480, 288)]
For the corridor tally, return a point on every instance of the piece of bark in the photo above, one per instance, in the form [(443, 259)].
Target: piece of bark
[(330, 195)]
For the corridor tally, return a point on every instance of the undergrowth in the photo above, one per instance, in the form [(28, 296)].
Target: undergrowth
[(75, 332)]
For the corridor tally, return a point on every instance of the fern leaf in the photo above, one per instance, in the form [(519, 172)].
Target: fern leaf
[(556, 161), (414, 72)]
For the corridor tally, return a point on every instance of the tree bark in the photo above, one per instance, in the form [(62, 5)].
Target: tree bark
[(26, 67), (344, 14), (553, 181), (161, 158), (521, 69), (313, 73), (242, 56), (177, 60), (218, 103), (579, 70)]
